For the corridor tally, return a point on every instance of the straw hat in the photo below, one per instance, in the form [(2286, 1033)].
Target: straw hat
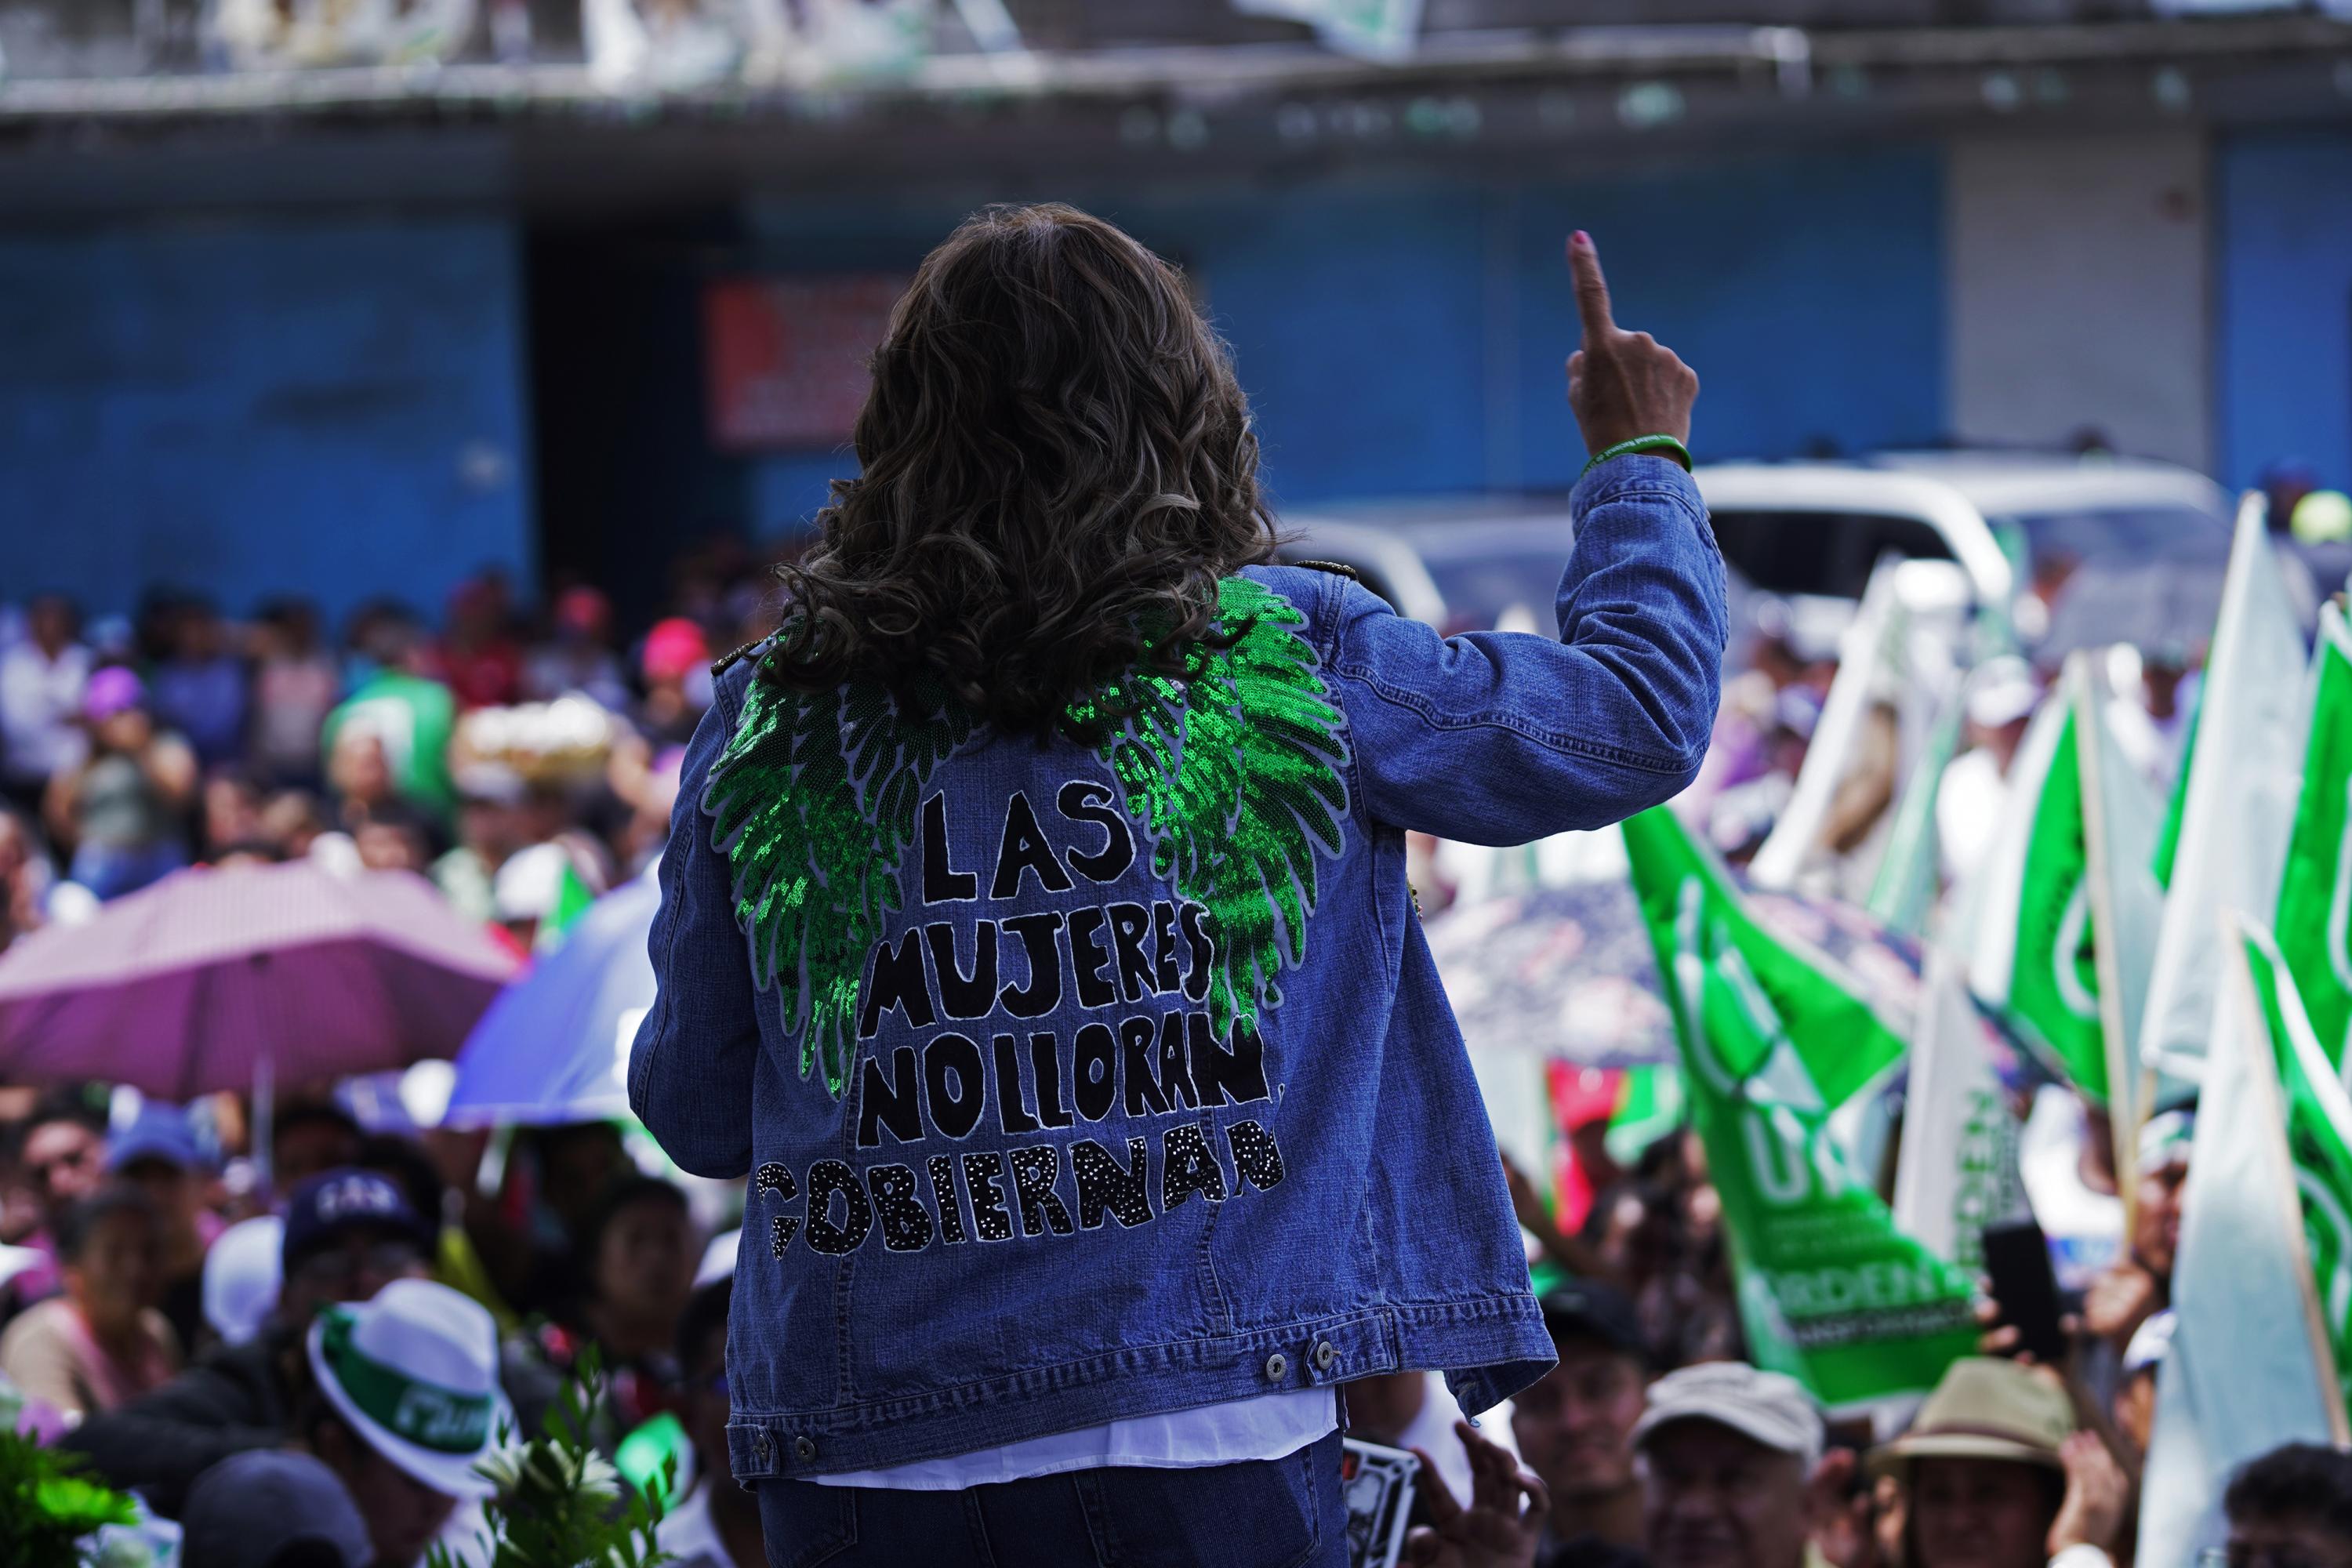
[(1984, 1409)]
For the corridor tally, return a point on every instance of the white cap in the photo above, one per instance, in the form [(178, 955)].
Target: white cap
[(2001, 691), (1766, 1408), (2166, 1139), (243, 1270), (415, 1372), (527, 884)]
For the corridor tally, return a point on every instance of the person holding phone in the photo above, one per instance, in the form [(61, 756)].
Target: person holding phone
[(1036, 933)]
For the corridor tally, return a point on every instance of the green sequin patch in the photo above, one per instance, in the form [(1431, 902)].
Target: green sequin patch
[(1236, 780), (812, 803)]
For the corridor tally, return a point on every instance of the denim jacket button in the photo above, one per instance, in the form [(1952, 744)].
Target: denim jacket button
[(1275, 1365), (759, 1446), (803, 1449), (1325, 1355)]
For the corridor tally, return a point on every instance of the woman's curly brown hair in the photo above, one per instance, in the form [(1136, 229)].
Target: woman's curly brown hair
[(1055, 457)]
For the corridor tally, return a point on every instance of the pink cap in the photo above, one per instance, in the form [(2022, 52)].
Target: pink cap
[(583, 610), (673, 648), (113, 690)]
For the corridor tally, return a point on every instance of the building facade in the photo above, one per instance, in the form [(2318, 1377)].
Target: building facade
[(359, 331)]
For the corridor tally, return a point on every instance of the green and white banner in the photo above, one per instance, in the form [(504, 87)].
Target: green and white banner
[(2314, 890), (2067, 920), (2235, 800), (2319, 1143), (1775, 1042), (2251, 1365)]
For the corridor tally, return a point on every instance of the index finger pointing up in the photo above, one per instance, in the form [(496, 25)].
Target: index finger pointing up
[(1591, 289)]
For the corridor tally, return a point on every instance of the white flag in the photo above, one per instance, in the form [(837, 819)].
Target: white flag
[(1897, 658), (2249, 1366), (2240, 800), (2122, 816), (1958, 1171)]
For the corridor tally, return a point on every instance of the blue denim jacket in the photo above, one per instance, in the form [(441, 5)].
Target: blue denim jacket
[(1062, 1180)]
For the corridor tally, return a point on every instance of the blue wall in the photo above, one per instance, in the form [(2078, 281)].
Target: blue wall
[(2285, 329), (339, 411), (262, 407), (1401, 338)]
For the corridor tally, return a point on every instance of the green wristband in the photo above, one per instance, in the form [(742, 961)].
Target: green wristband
[(1665, 445)]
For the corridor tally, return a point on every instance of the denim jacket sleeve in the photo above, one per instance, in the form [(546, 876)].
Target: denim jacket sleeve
[(691, 1064), (1503, 737)]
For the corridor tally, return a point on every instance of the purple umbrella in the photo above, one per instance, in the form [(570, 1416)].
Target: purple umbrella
[(211, 978)]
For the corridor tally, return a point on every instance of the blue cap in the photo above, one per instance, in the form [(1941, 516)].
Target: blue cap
[(334, 1201), (159, 1131)]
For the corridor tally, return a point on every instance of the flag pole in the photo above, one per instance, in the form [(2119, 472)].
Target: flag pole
[(2123, 1099)]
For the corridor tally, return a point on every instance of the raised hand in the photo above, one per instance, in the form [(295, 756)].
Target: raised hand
[(1492, 1532), (2098, 1496), (1621, 385)]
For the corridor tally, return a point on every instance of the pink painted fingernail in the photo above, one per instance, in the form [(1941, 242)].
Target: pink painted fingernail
[(1580, 238)]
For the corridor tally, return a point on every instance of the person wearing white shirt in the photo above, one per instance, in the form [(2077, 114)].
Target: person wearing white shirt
[(1974, 792), (41, 682)]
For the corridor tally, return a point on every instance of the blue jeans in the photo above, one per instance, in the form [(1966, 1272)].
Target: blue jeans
[(1266, 1513)]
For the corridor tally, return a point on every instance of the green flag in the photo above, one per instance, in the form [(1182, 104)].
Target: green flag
[(2167, 841), (2315, 901), (2257, 1342), (2318, 1140), (572, 901), (2067, 918), (2034, 960), (1775, 1040)]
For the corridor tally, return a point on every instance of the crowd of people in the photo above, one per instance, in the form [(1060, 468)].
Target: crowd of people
[(2010, 1463), (132, 747), (163, 1311), (1609, 1462), (170, 1329), (159, 1309), (160, 1270)]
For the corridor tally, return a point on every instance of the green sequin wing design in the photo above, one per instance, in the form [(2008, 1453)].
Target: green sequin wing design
[(814, 803), (1237, 781)]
